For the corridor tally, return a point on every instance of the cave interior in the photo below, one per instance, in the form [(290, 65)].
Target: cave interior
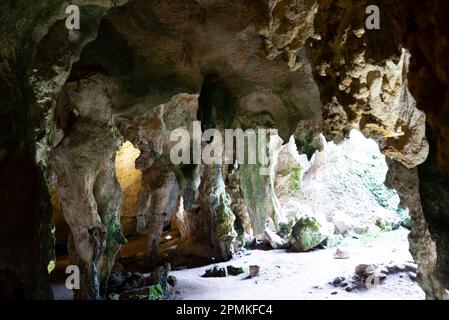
[(356, 125)]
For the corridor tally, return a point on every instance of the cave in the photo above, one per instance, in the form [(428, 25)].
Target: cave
[(348, 126)]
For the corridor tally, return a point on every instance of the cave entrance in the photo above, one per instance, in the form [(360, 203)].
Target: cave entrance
[(358, 250)]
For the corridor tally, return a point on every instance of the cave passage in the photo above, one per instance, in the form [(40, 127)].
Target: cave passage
[(93, 206), (343, 234)]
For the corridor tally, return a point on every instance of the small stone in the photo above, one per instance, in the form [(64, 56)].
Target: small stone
[(254, 270), (365, 270), (341, 254), (234, 271), (334, 293), (412, 276), (172, 281), (272, 239), (349, 289), (114, 296), (410, 267), (337, 281), (215, 272)]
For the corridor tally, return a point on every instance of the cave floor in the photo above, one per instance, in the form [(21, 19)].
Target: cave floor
[(287, 275)]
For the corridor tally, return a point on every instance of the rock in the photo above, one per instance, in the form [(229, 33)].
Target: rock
[(271, 238), (172, 281), (401, 267), (155, 292), (115, 281), (215, 272), (341, 254), (124, 281), (160, 276), (137, 286), (337, 282), (114, 296), (234, 271), (368, 275), (365, 270), (412, 276), (254, 271), (306, 234), (343, 223)]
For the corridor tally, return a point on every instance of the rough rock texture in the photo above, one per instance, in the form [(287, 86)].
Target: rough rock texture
[(161, 197), (163, 183), (204, 46), (290, 24), (306, 234), (90, 195), (421, 27), (211, 221), (258, 189), (422, 246), (36, 54), (242, 223), (434, 193), (251, 62), (362, 82)]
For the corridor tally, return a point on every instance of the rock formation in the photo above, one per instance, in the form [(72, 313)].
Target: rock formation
[(138, 69)]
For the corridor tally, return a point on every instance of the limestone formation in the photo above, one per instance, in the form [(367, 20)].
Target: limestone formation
[(422, 246), (90, 195), (138, 69)]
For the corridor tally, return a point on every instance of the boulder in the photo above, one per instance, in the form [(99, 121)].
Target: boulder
[(306, 234)]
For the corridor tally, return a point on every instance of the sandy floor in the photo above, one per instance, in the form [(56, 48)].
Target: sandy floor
[(286, 275)]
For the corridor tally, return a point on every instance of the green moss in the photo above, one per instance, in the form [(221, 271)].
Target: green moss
[(368, 238), (306, 234), (156, 292), (295, 180), (258, 194), (284, 229)]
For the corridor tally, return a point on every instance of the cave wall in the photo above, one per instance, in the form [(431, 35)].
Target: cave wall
[(434, 193), (36, 53), (279, 62)]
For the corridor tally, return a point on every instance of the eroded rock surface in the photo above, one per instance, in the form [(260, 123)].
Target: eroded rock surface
[(238, 64)]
